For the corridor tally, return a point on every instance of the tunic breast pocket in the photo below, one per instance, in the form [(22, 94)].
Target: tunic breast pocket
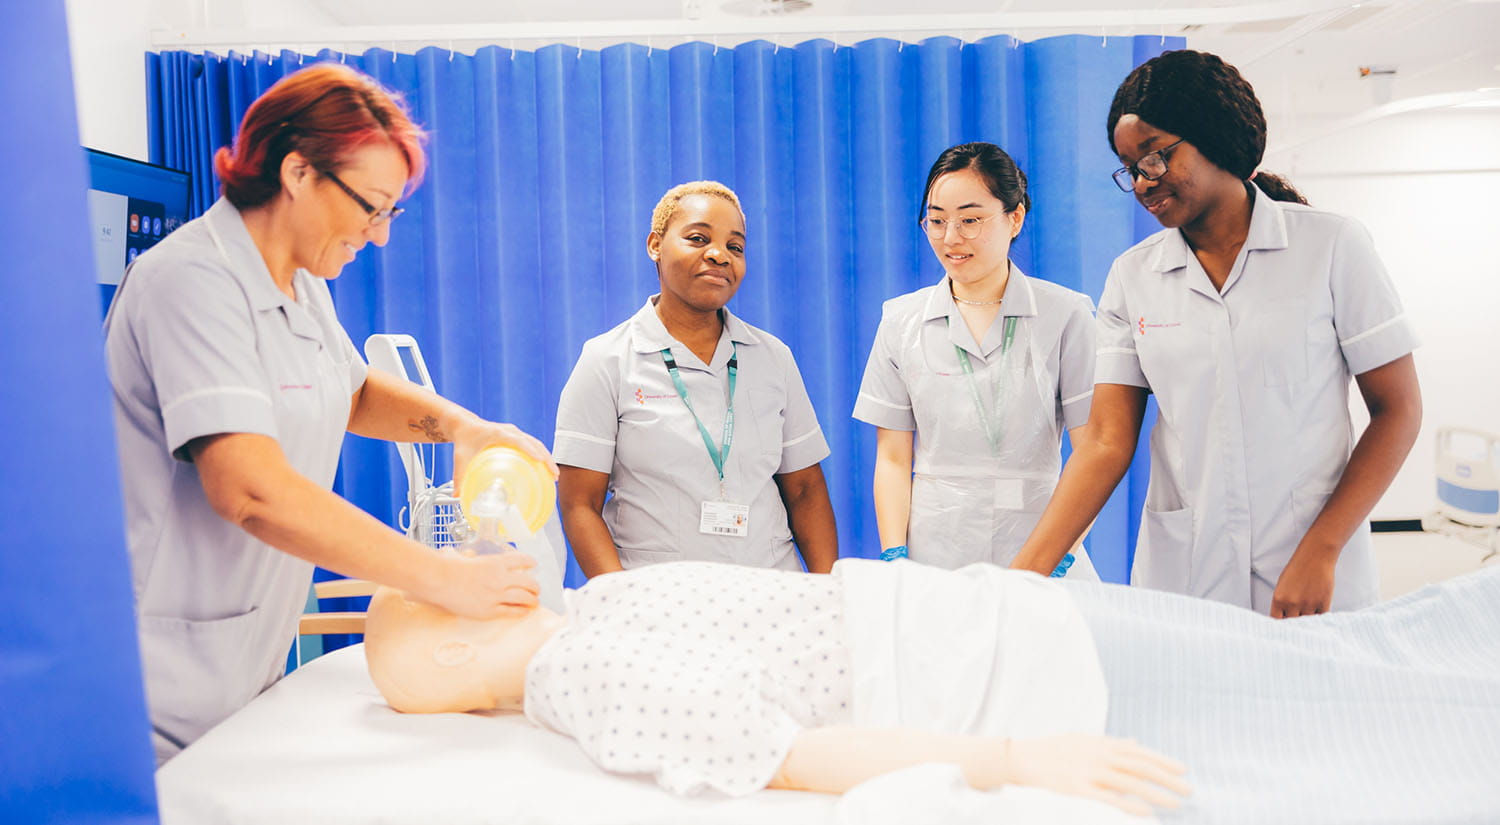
[(1169, 350), (766, 417), (1282, 341)]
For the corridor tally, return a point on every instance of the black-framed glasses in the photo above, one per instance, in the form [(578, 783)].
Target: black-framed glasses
[(1151, 167), (968, 226), (377, 216)]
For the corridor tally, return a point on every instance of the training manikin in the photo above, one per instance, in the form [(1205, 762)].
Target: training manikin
[(978, 656), (710, 676)]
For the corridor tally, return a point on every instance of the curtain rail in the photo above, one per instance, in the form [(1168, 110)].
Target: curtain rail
[(1117, 22)]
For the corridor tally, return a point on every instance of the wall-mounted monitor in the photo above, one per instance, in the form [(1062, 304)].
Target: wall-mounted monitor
[(132, 206)]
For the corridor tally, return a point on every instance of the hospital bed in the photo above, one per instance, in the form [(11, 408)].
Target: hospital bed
[(322, 746)]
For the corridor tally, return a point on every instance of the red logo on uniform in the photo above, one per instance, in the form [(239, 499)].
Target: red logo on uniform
[(641, 397), (1143, 326)]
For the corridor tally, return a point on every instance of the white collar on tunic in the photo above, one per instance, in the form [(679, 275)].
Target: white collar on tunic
[(248, 267), (1267, 231), (1020, 298), (246, 263), (648, 334), (1020, 301)]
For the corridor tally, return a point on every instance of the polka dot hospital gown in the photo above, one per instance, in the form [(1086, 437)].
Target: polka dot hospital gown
[(699, 675)]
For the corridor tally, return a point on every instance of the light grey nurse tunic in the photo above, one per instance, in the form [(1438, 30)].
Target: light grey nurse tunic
[(199, 342)]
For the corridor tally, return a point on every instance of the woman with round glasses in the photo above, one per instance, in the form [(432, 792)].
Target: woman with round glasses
[(971, 381), (684, 433), (234, 385), (1246, 317)]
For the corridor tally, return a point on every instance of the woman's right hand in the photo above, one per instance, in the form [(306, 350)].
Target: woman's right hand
[(1115, 771), (485, 587)]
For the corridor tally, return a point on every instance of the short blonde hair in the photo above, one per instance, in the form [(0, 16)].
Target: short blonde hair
[(667, 206)]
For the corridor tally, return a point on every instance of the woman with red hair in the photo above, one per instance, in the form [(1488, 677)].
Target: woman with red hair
[(234, 384)]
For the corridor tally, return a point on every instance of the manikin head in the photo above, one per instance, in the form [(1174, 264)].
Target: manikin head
[(425, 659)]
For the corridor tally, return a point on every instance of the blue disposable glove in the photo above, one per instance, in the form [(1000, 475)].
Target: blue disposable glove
[(893, 553), (1062, 567)]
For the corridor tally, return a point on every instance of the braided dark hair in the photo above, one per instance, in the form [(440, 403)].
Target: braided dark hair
[(1199, 97)]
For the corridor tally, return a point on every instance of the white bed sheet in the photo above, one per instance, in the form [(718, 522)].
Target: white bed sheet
[(322, 746)]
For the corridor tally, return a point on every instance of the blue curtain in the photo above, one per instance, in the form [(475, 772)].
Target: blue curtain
[(74, 739), (528, 235)]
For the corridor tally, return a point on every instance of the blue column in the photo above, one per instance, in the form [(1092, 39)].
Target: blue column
[(74, 739)]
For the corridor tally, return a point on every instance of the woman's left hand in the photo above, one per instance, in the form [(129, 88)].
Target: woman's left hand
[(1306, 584), (478, 434)]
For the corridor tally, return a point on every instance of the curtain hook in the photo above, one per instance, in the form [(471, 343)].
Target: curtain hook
[(393, 52), (578, 44), (450, 51), (648, 47), (1103, 37), (512, 50), (775, 44), (716, 46)]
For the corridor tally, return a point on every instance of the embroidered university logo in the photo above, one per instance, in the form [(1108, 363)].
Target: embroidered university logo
[(1142, 326), (641, 396)]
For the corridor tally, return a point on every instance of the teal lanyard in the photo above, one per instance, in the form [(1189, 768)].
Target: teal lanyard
[(719, 455), (991, 429)]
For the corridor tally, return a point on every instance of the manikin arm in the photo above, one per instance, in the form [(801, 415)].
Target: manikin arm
[(893, 465), (1114, 771)]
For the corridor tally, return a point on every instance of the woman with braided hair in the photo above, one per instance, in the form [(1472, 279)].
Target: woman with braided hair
[(1246, 316)]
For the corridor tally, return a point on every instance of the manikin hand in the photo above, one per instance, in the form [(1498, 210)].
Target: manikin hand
[(485, 587), (1306, 585), (1115, 771), (478, 434)]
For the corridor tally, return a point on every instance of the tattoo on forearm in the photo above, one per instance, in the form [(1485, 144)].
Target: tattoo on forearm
[(427, 426)]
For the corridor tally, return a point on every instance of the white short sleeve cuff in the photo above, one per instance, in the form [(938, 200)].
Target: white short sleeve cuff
[(1117, 366), (1379, 345), (803, 451), (884, 414), (589, 452), (213, 411)]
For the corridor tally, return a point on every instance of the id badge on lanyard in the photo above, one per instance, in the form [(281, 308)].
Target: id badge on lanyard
[(720, 517)]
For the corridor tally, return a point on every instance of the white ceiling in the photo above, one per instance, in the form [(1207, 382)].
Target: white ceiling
[(1303, 56)]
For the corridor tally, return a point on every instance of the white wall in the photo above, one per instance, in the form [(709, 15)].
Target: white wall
[(110, 38), (1427, 186)]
